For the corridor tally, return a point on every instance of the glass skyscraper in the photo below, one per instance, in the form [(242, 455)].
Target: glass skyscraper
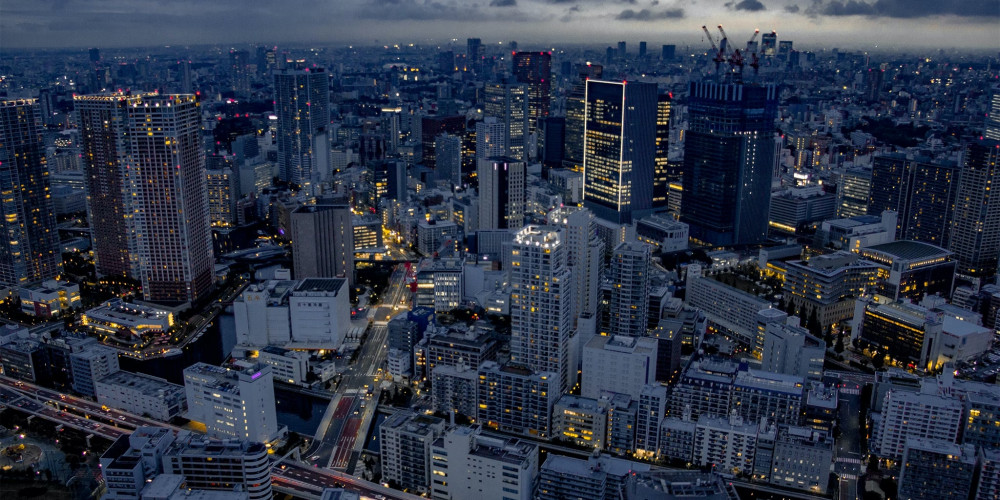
[(302, 104), (619, 144), (534, 69), (728, 162)]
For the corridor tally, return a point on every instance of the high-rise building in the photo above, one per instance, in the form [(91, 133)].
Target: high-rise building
[(406, 440), (661, 170), (667, 52), (632, 360), (542, 304), (619, 149), (516, 400), (975, 232), (323, 241), (907, 415), (535, 69), (473, 58), (622, 50), (104, 133), (576, 115), (922, 191), (585, 256), (491, 139), (470, 452), (235, 402), (223, 192), (728, 162), (769, 44), (30, 248), (508, 103), (170, 199), (501, 193), (302, 104), (642, 50), (627, 312), (853, 192), (448, 159), (992, 131), (239, 72)]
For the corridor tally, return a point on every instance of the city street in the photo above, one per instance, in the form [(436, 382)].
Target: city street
[(338, 433)]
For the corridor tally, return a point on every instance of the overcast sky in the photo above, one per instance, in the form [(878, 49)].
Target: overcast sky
[(811, 24)]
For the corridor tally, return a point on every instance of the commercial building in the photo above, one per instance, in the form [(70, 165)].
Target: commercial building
[(502, 186), (312, 313), (912, 269), (405, 441), (859, 231), (236, 402), (936, 469), (619, 147), (49, 298), (793, 351), (796, 207), (90, 363), (728, 162), (508, 103), (599, 477), (777, 397), (459, 346), (679, 485), (728, 309), (853, 192), (290, 367), (827, 284), (908, 334), (534, 69), (664, 233), (323, 241), (434, 236), (632, 360), (469, 463), (116, 317), (581, 421)]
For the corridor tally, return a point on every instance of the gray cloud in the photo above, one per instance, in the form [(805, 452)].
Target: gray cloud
[(792, 9), (906, 9), (647, 15), (503, 3), (748, 5)]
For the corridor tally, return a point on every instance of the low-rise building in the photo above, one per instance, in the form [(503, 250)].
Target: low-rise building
[(141, 394), (934, 469), (631, 359), (312, 313), (118, 318), (453, 389), (679, 485), (600, 477), (664, 233), (49, 298), (581, 421), (802, 459), (233, 402), (913, 269), (515, 400), (469, 463)]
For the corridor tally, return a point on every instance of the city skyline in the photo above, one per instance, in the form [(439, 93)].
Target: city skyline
[(867, 24)]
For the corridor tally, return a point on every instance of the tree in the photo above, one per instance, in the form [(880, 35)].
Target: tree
[(878, 362), (829, 336), (813, 324), (840, 344)]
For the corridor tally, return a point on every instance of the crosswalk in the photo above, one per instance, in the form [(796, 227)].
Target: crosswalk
[(850, 390), (849, 477), (846, 460)]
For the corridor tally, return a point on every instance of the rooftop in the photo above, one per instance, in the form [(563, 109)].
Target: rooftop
[(906, 250)]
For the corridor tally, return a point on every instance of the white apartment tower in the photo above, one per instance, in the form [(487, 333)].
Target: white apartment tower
[(542, 303)]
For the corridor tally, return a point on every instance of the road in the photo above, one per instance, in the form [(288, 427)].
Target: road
[(301, 480), (848, 460), (20, 402), (338, 433)]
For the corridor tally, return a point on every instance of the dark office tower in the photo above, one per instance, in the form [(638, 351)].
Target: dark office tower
[(575, 114), (29, 250), (472, 54), (239, 72), (105, 145), (609, 56), (508, 103), (619, 149), (95, 55), (323, 241), (501, 193), (433, 126), (446, 62), (170, 201), (975, 236), (784, 48), (302, 104), (668, 52), (642, 50), (661, 170), (622, 52), (874, 79), (552, 140), (728, 161), (534, 69), (184, 69), (769, 44), (922, 191)]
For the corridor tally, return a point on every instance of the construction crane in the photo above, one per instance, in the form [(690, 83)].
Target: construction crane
[(735, 57), (754, 59), (720, 53)]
